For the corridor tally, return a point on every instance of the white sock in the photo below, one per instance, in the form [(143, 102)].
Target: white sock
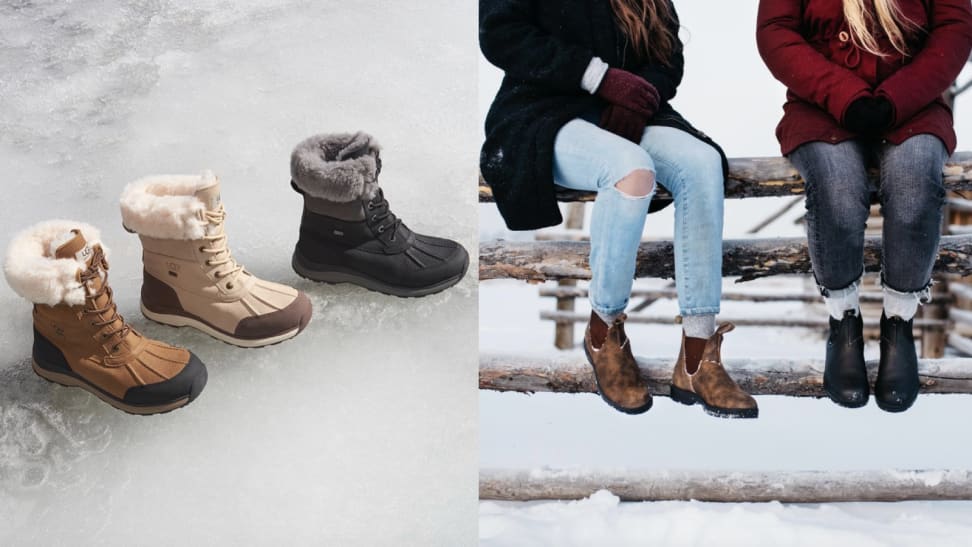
[(699, 326), (848, 298), (903, 304)]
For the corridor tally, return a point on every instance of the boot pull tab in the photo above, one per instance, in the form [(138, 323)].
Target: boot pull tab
[(724, 328)]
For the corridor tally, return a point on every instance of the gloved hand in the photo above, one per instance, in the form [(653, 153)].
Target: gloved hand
[(869, 116), (624, 123), (622, 88)]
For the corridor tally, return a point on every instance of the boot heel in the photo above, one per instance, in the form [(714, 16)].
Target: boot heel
[(685, 397)]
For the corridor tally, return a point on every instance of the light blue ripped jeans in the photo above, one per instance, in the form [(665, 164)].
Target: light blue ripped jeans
[(589, 158)]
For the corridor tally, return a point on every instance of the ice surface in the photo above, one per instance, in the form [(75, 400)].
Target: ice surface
[(362, 429), (729, 94)]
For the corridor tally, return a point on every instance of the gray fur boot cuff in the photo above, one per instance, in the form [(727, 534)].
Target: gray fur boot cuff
[(339, 167)]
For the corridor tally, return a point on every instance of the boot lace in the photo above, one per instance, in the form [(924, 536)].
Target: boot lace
[(380, 213), (96, 267), (221, 255)]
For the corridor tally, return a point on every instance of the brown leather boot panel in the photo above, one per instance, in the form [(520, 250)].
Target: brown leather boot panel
[(711, 382), (616, 370), (295, 316), (159, 297), (88, 352)]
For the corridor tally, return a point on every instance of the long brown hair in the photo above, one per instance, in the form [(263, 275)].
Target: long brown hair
[(646, 25)]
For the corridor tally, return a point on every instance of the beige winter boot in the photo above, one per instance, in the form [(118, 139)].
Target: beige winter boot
[(191, 278), (80, 340)]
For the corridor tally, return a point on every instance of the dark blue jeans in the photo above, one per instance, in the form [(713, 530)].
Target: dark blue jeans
[(912, 197)]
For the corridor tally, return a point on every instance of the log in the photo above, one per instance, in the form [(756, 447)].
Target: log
[(727, 486), (746, 258), (570, 373), (770, 177), (816, 322), (764, 296)]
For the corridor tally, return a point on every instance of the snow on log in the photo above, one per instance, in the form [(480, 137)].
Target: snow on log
[(727, 486), (811, 322), (570, 373), (747, 259), (769, 177)]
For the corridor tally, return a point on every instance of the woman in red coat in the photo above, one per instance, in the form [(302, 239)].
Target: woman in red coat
[(865, 80)]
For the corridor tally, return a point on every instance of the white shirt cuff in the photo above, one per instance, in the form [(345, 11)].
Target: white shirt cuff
[(594, 74)]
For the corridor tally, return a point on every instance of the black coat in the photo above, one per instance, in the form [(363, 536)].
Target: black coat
[(544, 47)]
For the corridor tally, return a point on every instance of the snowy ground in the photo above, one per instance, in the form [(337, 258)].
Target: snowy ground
[(729, 94), (360, 431)]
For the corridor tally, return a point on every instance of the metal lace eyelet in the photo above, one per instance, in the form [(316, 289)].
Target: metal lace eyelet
[(201, 249), (381, 229), (374, 218), (371, 206), (229, 285)]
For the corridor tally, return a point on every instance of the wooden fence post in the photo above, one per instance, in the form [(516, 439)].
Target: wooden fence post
[(564, 332)]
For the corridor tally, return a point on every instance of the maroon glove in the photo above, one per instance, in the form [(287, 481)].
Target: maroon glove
[(624, 123), (623, 88)]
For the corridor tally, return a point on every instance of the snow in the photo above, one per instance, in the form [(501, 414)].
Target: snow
[(361, 430), (729, 94), (603, 520)]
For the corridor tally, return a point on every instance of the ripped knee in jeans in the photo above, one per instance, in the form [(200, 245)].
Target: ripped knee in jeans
[(639, 184)]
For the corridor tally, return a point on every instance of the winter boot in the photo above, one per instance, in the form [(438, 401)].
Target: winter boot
[(80, 340), (897, 383), (616, 371), (191, 278), (710, 384), (845, 374), (349, 234)]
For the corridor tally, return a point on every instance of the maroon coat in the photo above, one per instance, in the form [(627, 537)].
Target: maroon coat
[(806, 45)]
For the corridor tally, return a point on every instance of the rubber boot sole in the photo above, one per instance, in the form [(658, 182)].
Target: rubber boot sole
[(317, 272), (76, 381), (637, 410), (183, 321), (688, 398)]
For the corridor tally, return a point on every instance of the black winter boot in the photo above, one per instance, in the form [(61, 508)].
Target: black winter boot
[(348, 233), (897, 382), (845, 375)]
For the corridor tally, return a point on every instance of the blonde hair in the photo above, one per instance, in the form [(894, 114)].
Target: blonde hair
[(887, 14)]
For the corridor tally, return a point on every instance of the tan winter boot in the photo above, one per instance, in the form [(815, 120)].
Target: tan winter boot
[(80, 340), (710, 384), (191, 278)]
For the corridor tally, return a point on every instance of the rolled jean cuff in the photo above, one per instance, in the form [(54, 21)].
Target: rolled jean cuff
[(712, 310), (923, 295), (825, 292), (608, 312)]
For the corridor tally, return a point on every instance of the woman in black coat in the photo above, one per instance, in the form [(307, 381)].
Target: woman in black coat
[(585, 105)]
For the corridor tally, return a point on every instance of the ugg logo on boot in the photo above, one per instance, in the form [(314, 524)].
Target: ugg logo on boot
[(83, 254), (57, 330), (338, 233), (173, 268)]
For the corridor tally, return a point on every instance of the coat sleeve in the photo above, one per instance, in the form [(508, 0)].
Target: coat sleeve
[(510, 39), (933, 69), (666, 78), (806, 72)]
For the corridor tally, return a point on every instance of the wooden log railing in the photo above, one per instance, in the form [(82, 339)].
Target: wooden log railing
[(570, 373), (746, 259), (773, 177), (727, 486)]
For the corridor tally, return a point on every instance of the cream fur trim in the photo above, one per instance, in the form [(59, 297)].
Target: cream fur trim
[(33, 273), (164, 207)]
